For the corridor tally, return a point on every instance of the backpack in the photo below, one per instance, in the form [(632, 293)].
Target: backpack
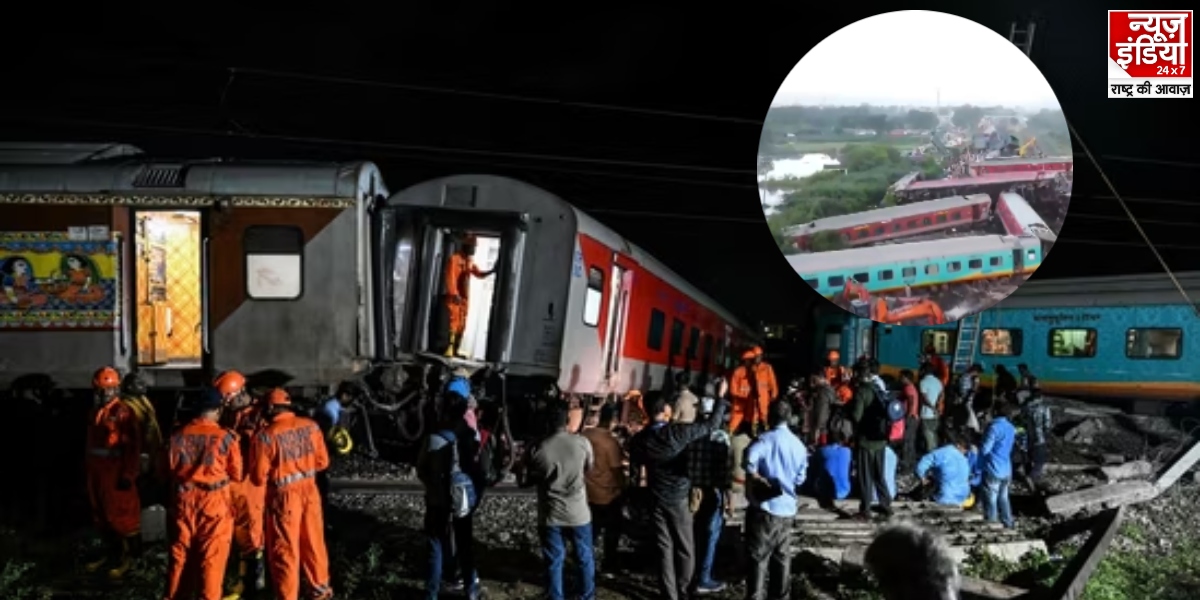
[(880, 415), (463, 496)]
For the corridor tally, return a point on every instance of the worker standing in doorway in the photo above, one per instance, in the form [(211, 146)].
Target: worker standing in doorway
[(753, 388), (460, 267), (244, 416), (113, 462), (203, 460), (285, 458)]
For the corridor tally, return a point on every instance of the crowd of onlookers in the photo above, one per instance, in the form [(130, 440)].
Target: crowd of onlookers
[(838, 432)]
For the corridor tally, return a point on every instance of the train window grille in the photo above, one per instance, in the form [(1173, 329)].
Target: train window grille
[(908, 272), (956, 216), (863, 233), (677, 329), (693, 343), (897, 227), (594, 298), (941, 340), (931, 269), (953, 266), (836, 280), (880, 230), (1000, 342), (975, 263), (912, 224), (812, 282), (927, 221), (658, 326), (995, 261), (887, 275), (941, 218), (1154, 343), (862, 277), (274, 262), (1072, 343)]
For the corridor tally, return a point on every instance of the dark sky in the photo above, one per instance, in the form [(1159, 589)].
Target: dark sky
[(683, 188)]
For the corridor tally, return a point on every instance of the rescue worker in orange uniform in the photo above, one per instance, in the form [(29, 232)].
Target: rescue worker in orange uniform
[(752, 388), (113, 463), (244, 416), (460, 267), (838, 377), (286, 457), (203, 460)]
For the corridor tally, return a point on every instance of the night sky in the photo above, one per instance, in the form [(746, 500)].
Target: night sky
[(683, 187)]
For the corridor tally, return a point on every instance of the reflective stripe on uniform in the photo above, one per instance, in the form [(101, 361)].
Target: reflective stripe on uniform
[(293, 478), (204, 487)]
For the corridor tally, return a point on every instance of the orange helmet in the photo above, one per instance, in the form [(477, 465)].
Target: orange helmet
[(278, 397), (834, 356), (758, 351), (106, 378), (229, 383), (748, 355)]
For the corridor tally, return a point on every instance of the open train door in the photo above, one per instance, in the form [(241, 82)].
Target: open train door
[(620, 290)]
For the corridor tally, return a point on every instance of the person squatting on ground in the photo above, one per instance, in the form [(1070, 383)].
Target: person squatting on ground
[(873, 428), (112, 463), (557, 467), (947, 471), (776, 464), (244, 415), (203, 459), (451, 447), (605, 484), (996, 455), (912, 563), (752, 388), (661, 450), (284, 458), (710, 470)]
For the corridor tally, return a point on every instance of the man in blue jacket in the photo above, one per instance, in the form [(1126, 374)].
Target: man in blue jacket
[(948, 470), (996, 455)]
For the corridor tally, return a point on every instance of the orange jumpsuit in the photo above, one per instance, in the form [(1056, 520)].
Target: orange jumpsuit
[(249, 500), (459, 269), (285, 457), (114, 454), (204, 460), (749, 404)]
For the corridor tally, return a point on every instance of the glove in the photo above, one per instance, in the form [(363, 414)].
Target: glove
[(124, 485)]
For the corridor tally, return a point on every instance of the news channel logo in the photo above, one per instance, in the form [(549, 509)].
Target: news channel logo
[(1150, 54), (915, 193)]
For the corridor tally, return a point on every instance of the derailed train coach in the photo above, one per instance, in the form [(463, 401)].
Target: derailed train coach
[(305, 275)]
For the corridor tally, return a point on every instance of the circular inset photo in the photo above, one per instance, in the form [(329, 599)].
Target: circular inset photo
[(915, 168)]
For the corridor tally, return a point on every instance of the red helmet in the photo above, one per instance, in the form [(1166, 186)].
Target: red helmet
[(278, 397), (229, 383), (106, 379)]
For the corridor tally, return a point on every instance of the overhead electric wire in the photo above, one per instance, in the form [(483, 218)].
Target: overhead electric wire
[(1132, 219)]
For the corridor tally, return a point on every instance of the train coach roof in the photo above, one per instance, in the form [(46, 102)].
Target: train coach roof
[(839, 260), (1120, 290), (1021, 209), (987, 179), (144, 176), (887, 214), (46, 153), (1022, 161)]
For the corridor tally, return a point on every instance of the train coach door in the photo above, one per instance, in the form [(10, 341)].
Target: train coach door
[(1018, 262), (620, 288)]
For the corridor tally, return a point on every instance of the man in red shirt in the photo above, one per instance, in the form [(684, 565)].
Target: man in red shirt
[(912, 404)]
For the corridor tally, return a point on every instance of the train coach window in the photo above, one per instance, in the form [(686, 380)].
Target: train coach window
[(907, 272), (862, 277), (927, 221), (1154, 343), (1000, 342), (975, 263), (931, 269), (897, 227), (940, 339), (912, 224), (594, 297), (954, 266), (706, 352), (658, 326), (995, 261), (941, 218), (955, 216), (1031, 255), (677, 328), (863, 233), (1072, 343), (274, 257), (836, 281), (693, 343), (887, 275), (880, 230), (812, 282)]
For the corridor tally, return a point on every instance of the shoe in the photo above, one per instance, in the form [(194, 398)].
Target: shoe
[(711, 587), (124, 561)]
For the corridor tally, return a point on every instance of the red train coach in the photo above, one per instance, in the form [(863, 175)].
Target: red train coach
[(1019, 218), (896, 222), (1018, 165)]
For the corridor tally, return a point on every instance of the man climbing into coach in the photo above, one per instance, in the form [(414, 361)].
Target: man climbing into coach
[(460, 267)]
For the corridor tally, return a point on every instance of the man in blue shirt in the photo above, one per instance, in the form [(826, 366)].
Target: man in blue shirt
[(948, 470), (776, 464), (833, 482), (996, 455)]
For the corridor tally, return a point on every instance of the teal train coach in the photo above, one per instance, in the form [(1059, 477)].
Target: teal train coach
[(883, 269), (1125, 338)]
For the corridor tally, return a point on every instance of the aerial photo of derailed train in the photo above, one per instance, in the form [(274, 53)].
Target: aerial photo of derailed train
[(307, 275), (1120, 339), (934, 260)]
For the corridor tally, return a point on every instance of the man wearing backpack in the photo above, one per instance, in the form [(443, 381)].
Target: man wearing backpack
[(873, 424), (446, 456)]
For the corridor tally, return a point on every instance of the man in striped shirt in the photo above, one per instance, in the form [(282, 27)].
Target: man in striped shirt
[(710, 469)]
